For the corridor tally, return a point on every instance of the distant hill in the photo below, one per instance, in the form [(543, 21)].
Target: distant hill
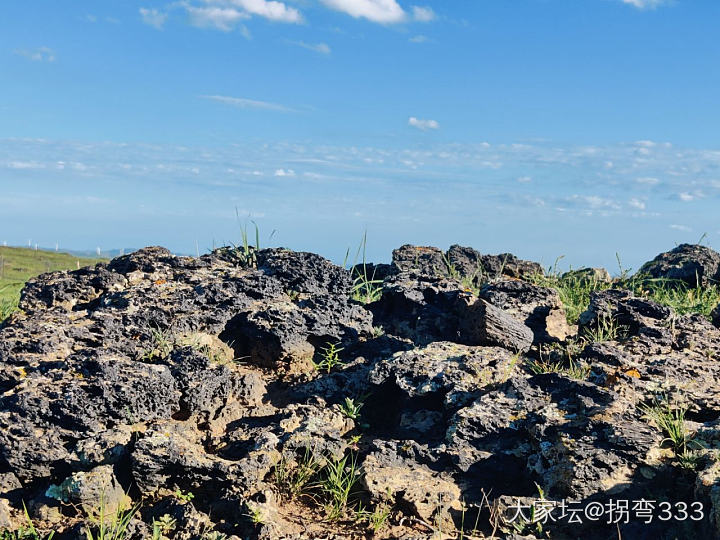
[(17, 265), (104, 253)]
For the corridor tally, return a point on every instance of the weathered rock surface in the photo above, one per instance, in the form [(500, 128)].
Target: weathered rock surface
[(484, 324), (461, 261), (219, 392), (539, 308), (469, 262), (693, 264)]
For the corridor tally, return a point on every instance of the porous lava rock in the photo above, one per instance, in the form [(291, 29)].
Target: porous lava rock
[(240, 394)]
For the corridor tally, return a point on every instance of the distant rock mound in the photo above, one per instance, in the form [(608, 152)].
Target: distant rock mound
[(694, 265)]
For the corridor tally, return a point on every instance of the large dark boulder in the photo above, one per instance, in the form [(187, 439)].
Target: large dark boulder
[(693, 264)]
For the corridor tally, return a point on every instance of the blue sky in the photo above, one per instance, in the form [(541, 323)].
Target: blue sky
[(542, 127)]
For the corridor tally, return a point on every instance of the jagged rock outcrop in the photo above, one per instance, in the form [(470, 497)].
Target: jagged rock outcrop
[(691, 263), (242, 393), (461, 261)]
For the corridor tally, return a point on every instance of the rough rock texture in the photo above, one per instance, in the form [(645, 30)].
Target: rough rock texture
[(461, 261), (693, 264), (421, 308), (469, 262), (539, 308), (223, 393), (429, 261), (484, 324)]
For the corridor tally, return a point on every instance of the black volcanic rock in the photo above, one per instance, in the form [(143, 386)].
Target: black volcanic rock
[(249, 378), (690, 263)]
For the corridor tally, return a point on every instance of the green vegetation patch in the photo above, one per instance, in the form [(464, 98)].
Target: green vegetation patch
[(17, 265)]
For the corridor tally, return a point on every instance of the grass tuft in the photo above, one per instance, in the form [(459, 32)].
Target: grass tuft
[(112, 526), (365, 288), (574, 289), (337, 481), (676, 294), (670, 420)]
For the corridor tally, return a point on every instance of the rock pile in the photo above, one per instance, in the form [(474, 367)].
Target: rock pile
[(251, 394)]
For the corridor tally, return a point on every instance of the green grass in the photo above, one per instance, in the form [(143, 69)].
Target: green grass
[(17, 265), (292, 478), (676, 294), (365, 288), (337, 483), (574, 289), (111, 525), (670, 419), (561, 358)]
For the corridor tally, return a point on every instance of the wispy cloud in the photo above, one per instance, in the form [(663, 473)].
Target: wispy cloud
[(153, 17), (40, 54), (322, 48), (683, 228), (244, 103), (224, 19), (645, 4), (423, 125), (270, 9), (636, 203), (418, 39), (19, 165), (379, 11), (423, 14), (226, 14)]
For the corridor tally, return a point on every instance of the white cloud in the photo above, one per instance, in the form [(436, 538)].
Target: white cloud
[(244, 103), (594, 201), (647, 180), (226, 14), (25, 165), (646, 144), (524, 179), (379, 11), (637, 203), (418, 39), (683, 228), (423, 124), (41, 54), (423, 14), (685, 196), (223, 19), (270, 9), (284, 172), (153, 17), (322, 48), (645, 4)]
